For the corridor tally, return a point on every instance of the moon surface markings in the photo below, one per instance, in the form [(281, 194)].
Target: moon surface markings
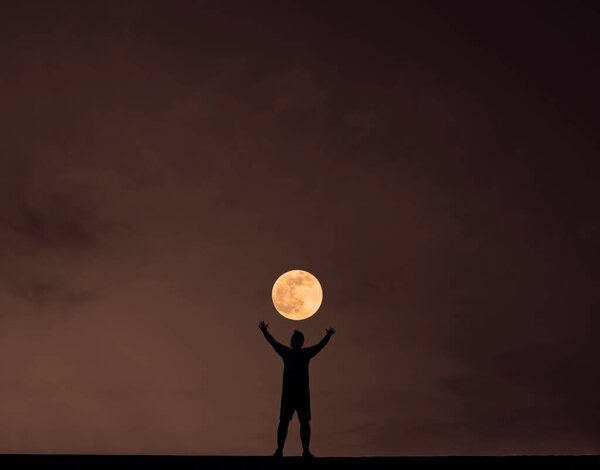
[(297, 294)]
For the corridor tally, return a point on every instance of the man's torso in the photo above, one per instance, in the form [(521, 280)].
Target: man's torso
[(295, 372)]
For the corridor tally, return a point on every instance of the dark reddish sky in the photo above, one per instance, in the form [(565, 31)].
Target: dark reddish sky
[(435, 166)]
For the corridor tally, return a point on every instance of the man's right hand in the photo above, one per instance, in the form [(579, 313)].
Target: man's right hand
[(262, 326), (330, 331)]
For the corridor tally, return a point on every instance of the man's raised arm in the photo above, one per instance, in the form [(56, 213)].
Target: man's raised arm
[(314, 350), (278, 347)]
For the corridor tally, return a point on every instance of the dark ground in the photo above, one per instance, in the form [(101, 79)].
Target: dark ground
[(113, 462)]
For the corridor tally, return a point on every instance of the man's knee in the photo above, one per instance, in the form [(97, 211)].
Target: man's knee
[(305, 423)]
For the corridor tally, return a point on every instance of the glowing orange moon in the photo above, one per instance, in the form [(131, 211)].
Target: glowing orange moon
[(297, 294)]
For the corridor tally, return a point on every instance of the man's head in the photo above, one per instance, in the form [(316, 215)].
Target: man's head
[(297, 340)]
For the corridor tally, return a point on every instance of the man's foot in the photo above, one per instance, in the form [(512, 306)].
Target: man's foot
[(307, 454), (278, 453)]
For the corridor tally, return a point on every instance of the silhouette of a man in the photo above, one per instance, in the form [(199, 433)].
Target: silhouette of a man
[(295, 394)]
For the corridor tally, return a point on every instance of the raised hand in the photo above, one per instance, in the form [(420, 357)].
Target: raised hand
[(262, 326), (330, 331)]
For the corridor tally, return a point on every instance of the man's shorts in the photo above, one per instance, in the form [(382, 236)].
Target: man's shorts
[(291, 403)]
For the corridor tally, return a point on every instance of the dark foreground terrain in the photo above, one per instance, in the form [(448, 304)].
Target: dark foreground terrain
[(113, 462)]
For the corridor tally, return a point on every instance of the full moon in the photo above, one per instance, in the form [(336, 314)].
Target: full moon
[(297, 294)]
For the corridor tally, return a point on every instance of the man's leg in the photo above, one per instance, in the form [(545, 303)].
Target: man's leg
[(304, 418), (286, 413), (305, 435), (282, 430)]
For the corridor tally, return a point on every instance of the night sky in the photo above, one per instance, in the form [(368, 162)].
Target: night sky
[(433, 164)]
